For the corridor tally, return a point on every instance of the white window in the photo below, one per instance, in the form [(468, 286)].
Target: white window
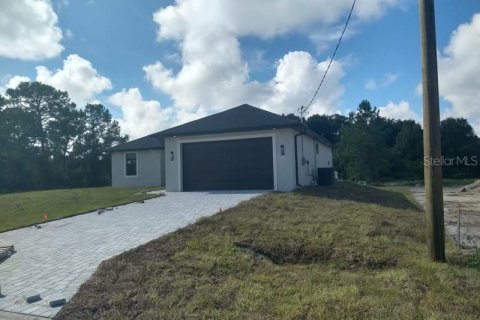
[(131, 164)]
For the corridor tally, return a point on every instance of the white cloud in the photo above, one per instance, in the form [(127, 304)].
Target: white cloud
[(476, 126), (140, 117), (399, 111), (297, 77), (214, 73), (28, 30), (78, 77), (14, 81), (419, 89), (388, 79), (249, 17), (326, 36), (11, 82), (459, 69), (295, 81), (256, 60)]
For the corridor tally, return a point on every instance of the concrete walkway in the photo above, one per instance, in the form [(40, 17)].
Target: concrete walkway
[(56, 259)]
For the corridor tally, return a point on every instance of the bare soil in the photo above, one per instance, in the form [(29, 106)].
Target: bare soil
[(467, 201)]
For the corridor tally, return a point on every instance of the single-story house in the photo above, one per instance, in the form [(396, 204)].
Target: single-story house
[(238, 149)]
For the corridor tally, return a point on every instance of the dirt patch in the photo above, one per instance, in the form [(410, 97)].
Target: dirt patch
[(294, 254), (343, 258), (467, 200), (471, 187)]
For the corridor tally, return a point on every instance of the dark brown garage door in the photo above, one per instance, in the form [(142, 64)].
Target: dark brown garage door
[(228, 165)]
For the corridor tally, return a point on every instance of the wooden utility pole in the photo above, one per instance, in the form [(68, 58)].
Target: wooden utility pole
[(431, 134)]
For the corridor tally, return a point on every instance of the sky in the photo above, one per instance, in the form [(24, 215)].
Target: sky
[(156, 63)]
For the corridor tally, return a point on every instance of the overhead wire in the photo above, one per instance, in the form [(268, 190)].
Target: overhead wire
[(304, 109)]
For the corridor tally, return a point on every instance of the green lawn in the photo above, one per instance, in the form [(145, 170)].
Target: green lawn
[(27, 208), (342, 252)]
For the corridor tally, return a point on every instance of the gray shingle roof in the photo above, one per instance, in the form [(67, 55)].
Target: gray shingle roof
[(238, 119), (241, 118), (145, 143)]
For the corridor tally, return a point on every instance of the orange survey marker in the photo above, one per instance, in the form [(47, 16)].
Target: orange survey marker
[(45, 217)]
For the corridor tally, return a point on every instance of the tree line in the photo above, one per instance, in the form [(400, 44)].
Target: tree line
[(369, 147), (46, 141)]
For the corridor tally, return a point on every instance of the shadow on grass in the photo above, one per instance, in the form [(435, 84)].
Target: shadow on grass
[(364, 194)]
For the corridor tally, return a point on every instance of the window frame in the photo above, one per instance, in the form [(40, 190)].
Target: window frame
[(136, 165)]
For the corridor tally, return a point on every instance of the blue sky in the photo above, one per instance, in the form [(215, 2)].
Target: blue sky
[(155, 64)]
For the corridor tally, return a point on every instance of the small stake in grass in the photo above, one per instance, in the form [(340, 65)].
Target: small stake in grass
[(458, 227)]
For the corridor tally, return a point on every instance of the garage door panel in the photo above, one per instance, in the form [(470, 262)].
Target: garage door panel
[(228, 165)]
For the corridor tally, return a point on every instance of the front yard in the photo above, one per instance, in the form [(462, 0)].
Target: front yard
[(27, 208), (343, 252)]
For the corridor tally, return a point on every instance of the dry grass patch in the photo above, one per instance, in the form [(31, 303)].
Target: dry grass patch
[(344, 252)]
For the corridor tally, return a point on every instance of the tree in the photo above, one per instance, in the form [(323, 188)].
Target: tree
[(408, 151), (460, 146), (3, 102), (46, 142), (292, 117), (53, 127), (64, 129), (327, 125), (373, 148), (47, 105), (99, 134), (17, 157), (361, 151)]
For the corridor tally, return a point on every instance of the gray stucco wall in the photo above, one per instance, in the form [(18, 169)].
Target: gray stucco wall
[(173, 168), (325, 157), (285, 163), (284, 166), (150, 169), (307, 169)]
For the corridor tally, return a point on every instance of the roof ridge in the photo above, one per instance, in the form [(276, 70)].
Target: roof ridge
[(242, 118), (219, 114), (273, 113)]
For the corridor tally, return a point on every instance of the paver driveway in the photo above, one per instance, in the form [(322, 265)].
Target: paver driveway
[(55, 260)]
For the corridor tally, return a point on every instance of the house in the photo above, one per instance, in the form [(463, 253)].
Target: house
[(139, 162), (238, 149)]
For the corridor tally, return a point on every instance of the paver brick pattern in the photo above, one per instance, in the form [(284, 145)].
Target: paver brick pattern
[(56, 259)]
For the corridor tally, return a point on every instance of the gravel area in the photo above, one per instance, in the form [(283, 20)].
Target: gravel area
[(469, 204)]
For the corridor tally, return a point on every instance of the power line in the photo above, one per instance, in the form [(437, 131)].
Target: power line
[(333, 57)]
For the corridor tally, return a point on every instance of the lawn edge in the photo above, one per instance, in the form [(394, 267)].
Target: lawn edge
[(79, 213)]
